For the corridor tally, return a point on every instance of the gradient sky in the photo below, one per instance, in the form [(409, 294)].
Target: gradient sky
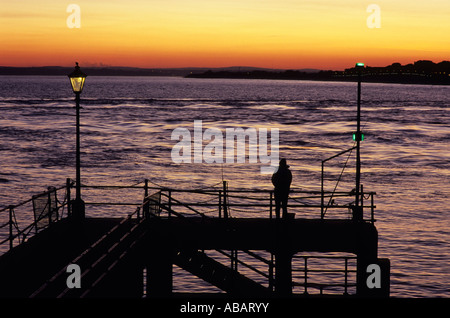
[(325, 34)]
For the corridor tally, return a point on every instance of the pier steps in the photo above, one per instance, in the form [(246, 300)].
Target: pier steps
[(28, 266), (229, 280), (99, 265)]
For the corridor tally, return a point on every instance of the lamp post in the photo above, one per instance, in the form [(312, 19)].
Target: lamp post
[(358, 137), (77, 78)]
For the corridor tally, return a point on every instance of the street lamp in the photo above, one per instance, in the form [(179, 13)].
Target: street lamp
[(358, 137), (77, 78)]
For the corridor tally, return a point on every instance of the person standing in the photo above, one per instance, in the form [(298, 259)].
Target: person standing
[(282, 180)]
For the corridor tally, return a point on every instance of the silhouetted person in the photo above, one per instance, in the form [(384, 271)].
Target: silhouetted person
[(282, 182)]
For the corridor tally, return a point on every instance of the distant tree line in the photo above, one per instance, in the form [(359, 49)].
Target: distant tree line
[(418, 67), (419, 72)]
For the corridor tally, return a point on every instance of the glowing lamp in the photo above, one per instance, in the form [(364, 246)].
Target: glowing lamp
[(77, 78)]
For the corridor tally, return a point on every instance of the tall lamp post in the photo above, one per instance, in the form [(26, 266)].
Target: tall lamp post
[(358, 137), (77, 78)]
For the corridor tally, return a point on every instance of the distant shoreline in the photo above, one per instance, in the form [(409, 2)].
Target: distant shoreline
[(331, 77), (421, 72)]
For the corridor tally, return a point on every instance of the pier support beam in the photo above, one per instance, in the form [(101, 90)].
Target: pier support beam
[(283, 257), (159, 272), (283, 273)]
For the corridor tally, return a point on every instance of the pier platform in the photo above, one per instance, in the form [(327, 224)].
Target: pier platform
[(136, 256), (34, 268)]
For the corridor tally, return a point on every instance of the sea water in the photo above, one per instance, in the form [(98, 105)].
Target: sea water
[(127, 124)]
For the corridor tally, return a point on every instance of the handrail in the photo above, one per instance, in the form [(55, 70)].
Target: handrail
[(268, 276), (261, 200), (234, 259), (321, 286), (183, 204), (22, 234), (323, 209)]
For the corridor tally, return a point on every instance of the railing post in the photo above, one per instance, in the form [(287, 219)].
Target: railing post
[(11, 239), (234, 260), (372, 208), (146, 204), (362, 202), (220, 204), (49, 204), (271, 272), (69, 206), (346, 276), (271, 204), (170, 202), (146, 188), (306, 275), (322, 195), (225, 194)]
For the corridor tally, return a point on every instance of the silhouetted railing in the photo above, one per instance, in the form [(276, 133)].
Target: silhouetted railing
[(221, 202), (152, 207), (324, 273), (44, 208), (261, 203)]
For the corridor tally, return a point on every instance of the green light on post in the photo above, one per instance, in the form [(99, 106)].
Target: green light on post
[(355, 138)]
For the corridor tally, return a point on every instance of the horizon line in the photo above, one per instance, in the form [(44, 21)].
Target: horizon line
[(208, 67)]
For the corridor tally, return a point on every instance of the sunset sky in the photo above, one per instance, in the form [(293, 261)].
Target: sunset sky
[(290, 34)]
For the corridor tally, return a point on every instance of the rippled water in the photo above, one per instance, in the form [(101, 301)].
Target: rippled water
[(127, 124)]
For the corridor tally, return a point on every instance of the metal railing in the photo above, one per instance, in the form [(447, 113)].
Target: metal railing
[(267, 277), (43, 216), (245, 261), (213, 202), (152, 207), (341, 278), (222, 202), (217, 202), (261, 203)]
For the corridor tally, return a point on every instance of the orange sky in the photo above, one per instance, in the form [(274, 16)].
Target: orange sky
[(325, 34)]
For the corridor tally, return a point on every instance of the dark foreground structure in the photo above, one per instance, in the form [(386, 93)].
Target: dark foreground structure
[(243, 256)]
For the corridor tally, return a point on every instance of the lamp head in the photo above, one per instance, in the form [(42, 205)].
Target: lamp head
[(77, 78)]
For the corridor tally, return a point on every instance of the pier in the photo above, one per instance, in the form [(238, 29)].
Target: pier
[(229, 239)]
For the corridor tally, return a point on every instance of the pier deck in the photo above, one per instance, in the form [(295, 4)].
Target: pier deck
[(161, 242), (243, 256), (268, 234)]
